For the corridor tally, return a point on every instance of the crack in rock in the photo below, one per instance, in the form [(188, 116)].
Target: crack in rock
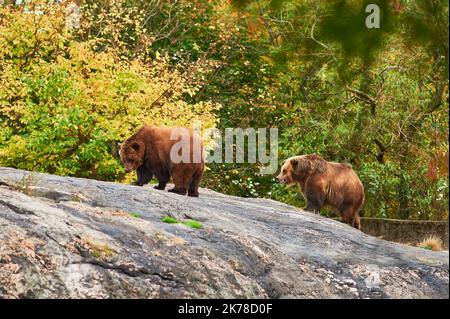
[(17, 209)]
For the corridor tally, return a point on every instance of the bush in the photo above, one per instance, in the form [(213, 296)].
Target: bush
[(432, 243), (64, 106)]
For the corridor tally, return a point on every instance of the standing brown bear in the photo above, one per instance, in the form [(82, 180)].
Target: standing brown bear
[(326, 184), (155, 151)]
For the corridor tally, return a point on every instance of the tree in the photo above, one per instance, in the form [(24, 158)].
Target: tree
[(64, 105)]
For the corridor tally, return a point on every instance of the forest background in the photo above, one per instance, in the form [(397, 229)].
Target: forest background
[(77, 77)]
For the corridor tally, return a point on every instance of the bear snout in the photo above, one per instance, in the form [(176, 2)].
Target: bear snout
[(128, 169)]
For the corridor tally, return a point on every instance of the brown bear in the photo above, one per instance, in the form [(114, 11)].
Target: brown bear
[(326, 184), (155, 151)]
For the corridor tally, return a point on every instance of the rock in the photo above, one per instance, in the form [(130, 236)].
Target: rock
[(64, 237), (349, 282), (354, 292)]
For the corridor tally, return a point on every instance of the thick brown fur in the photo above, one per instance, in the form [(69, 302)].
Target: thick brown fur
[(148, 153), (326, 184)]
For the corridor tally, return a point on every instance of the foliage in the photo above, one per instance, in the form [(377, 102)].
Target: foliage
[(382, 107), (64, 105), (377, 99), (192, 223), (170, 220), (431, 243)]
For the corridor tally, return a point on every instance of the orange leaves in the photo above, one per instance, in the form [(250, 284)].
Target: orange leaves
[(432, 170), (438, 166)]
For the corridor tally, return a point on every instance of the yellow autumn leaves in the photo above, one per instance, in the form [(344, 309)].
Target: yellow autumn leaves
[(64, 103)]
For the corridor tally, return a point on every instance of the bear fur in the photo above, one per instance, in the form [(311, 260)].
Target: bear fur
[(148, 152), (326, 184)]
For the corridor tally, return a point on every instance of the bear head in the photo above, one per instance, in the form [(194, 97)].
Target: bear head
[(297, 168), (132, 154)]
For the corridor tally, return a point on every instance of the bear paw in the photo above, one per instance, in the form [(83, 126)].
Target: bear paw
[(137, 184), (193, 193), (178, 191)]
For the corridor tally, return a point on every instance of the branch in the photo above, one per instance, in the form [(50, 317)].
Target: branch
[(382, 148), (165, 94), (437, 101), (314, 39), (364, 96), (266, 23), (387, 68)]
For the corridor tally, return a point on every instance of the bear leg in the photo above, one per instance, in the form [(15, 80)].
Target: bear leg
[(314, 203), (352, 221), (193, 186), (163, 178), (356, 222), (144, 176), (350, 216), (179, 179), (179, 191)]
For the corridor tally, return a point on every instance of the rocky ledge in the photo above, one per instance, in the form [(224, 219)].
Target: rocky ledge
[(63, 237)]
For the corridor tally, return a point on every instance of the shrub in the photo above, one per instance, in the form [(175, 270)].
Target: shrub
[(432, 243), (64, 106)]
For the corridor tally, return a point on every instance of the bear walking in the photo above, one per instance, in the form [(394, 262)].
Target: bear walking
[(150, 152), (326, 184)]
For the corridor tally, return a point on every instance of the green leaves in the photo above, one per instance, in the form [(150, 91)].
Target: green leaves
[(65, 111), (375, 98), (345, 24), (427, 24)]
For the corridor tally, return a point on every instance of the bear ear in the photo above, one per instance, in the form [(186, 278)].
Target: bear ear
[(120, 145), (135, 146), (294, 163)]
